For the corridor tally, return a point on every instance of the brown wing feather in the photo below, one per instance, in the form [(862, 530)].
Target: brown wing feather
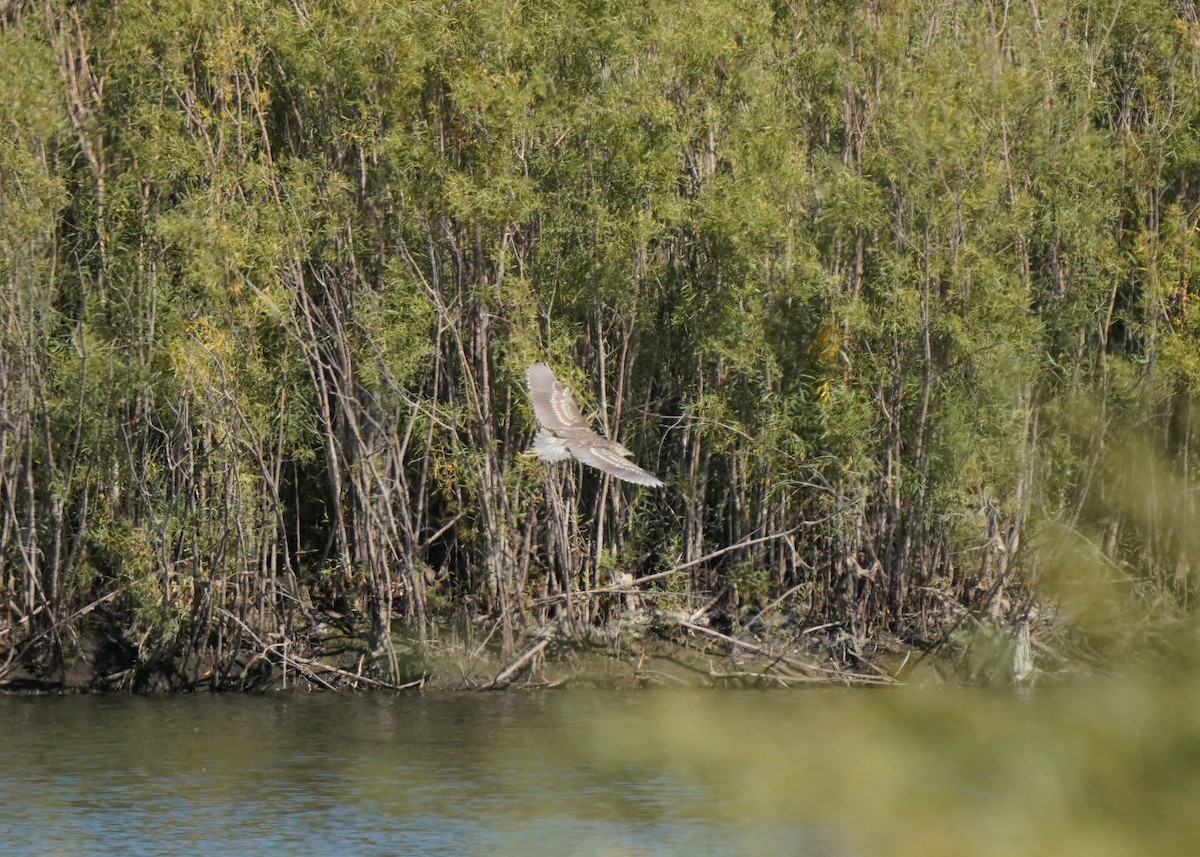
[(613, 463), (553, 404)]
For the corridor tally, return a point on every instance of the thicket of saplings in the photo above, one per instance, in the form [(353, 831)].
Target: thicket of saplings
[(896, 298)]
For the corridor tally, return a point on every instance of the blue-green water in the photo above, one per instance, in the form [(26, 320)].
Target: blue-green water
[(494, 774), (1106, 767)]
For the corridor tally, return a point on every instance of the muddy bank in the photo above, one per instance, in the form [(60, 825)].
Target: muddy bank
[(643, 649)]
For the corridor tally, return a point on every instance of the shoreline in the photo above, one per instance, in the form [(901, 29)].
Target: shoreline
[(634, 651)]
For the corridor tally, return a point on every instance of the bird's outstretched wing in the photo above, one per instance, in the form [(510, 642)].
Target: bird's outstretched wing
[(565, 431), (552, 403), (614, 464)]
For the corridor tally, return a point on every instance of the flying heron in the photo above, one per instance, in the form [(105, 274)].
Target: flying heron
[(565, 433)]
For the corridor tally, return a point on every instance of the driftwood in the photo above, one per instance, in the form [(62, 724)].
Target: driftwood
[(826, 674), (311, 669), (530, 653)]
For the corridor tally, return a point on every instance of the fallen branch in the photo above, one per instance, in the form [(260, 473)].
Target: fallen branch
[(776, 678), (839, 675), (650, 578), (307, 667), (6, 667), (530, 653), (518, 663)]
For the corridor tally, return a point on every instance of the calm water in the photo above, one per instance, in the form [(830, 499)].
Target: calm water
[(1110, 767), (494, 774)]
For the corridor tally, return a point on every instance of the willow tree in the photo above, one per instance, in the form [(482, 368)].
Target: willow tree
[(891, 295)]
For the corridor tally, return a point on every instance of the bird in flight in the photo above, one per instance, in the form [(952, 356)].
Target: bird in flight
[(565, 433)]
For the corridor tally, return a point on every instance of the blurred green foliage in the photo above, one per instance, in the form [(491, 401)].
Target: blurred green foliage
[(1101, 767)]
